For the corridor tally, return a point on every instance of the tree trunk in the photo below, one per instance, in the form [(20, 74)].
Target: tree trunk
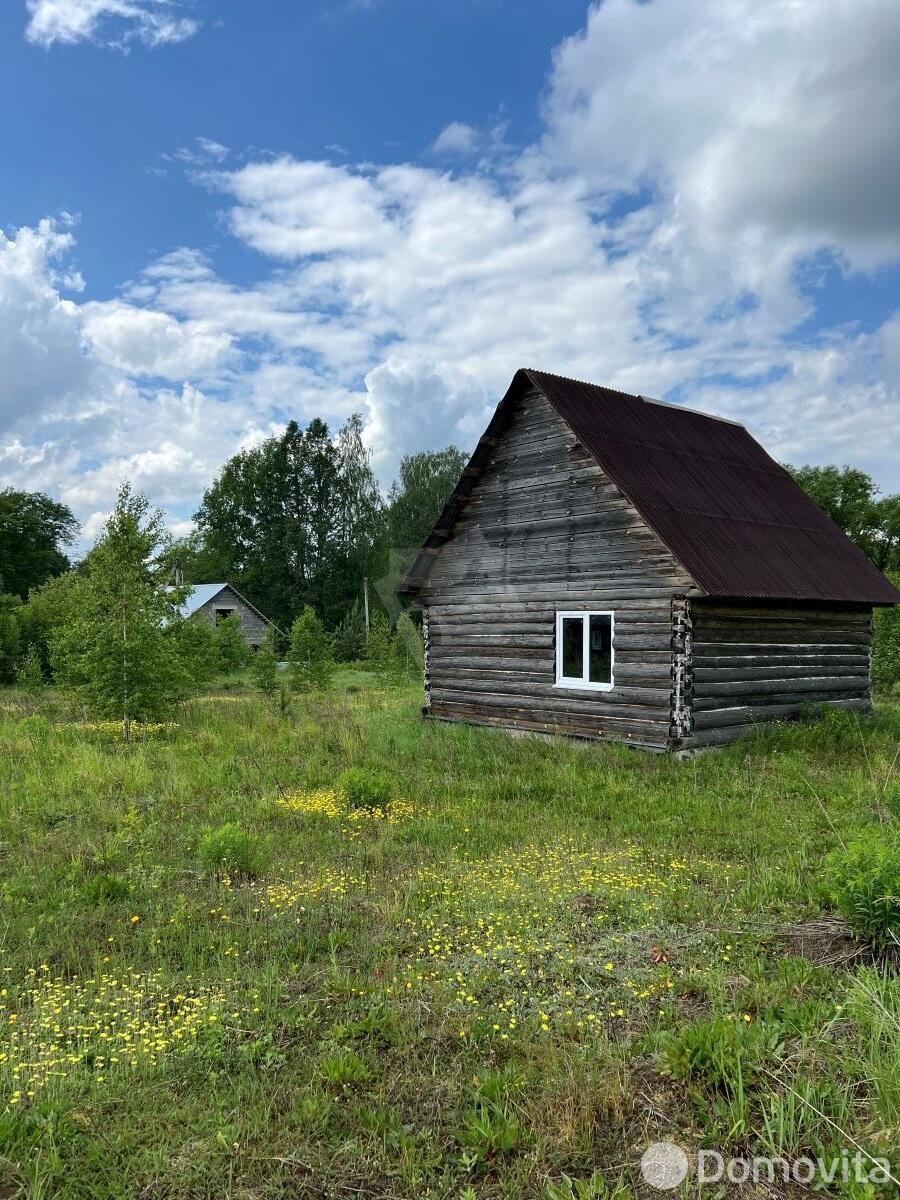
[(126, 719)]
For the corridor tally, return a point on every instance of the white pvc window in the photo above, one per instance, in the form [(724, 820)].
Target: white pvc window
[(584, 650)]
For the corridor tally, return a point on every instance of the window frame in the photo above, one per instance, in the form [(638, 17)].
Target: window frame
[(585, 684)]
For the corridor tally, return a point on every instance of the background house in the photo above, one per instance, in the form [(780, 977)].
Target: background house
[(612, 566), (215, 601)]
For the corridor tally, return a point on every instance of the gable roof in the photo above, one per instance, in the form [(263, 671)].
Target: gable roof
[(735, 519), (201, 594)]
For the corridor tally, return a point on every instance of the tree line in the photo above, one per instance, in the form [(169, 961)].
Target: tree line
[(300, 520), (296, 524)]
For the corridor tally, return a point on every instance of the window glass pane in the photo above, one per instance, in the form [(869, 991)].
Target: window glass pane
[(572, 648), (600, 651)]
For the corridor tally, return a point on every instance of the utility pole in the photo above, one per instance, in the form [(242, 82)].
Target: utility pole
[(366, 603)]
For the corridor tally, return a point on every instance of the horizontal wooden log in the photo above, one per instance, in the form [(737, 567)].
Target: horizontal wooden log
[(704, 611), (764, 686), (752, 698), (496, 590), (547, 498), (793, 635), (705, 651), (652, 701), (521, 655), (637, 733), (470, 644), (525, 558), (660, 666), (837, 661), (746, 714), (779, 638), (557, 485), (748, 674), (501, 521), (544, 607), (438, 637), (504, 622), (729, 733), (646, 661), (559, 578), (638, 675)]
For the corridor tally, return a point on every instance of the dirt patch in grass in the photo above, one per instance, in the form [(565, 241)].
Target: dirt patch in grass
[(826, 942)]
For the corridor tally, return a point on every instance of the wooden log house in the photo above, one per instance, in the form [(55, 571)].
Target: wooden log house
[(610, 566), (212, 602)]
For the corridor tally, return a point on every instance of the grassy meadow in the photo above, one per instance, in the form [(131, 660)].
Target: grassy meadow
[(218, 978)]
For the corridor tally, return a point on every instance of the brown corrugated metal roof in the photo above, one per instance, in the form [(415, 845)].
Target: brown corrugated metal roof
[(729, 513)]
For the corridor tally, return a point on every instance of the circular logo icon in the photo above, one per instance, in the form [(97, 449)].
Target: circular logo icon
[(664, 1165)]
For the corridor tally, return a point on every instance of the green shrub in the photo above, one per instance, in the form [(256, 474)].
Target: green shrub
[(234, 649), (719, 1054), (385, 654), (264, 668), (366, 787), (231, 850), (350, 636), (29, 674), (105, 889), (865, 885), (886, 648), (345, 1069), (310, 657)]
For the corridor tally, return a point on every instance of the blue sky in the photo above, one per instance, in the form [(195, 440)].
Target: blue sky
[(217, 216)]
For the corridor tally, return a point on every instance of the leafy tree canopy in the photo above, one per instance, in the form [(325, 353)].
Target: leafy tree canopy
[(33, 528), (850, 497), (424, 486), (118, 645), (295, 521), (310, 655)]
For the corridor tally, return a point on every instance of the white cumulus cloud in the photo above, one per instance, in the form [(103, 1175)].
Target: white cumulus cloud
[(751, 114), (108, 22), (456, 138), (654, 239), (146, 342)]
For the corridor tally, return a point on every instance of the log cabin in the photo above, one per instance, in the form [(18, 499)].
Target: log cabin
[(612, 566)]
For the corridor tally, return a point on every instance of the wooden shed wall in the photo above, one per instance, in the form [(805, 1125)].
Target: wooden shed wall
[(254, 625), (753, 664), (544, 529)]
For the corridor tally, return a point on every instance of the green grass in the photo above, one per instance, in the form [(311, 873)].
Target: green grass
[(221, 979)]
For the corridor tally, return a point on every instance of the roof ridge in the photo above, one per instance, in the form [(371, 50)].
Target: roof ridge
[(581, 382), (697, 412)]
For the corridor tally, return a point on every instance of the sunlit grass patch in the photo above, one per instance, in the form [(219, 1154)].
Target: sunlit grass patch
[(332, 802), (138, 730), (544, 935), (326, 802), (327, 884), (58, 1029)]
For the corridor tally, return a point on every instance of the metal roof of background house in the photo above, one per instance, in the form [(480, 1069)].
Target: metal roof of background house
[(733, 517), (200, 594)]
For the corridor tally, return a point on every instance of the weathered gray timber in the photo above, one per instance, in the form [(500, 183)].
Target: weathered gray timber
[(542, 536), (545, 529), (213, 601), (754, 664)]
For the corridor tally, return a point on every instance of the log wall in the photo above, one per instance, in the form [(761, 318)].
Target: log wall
[(544, 529), (753, 664)]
